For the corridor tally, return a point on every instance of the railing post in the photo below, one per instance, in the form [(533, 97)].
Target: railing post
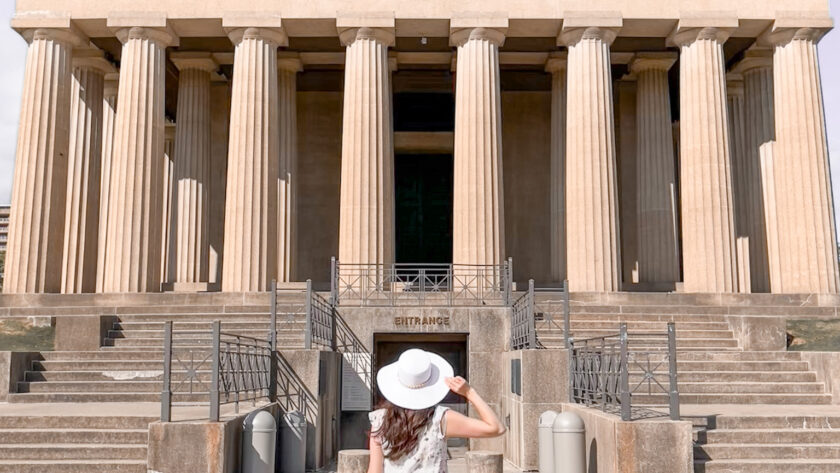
[(272, 346), (166, 393), (509, 281), (624, 378), (333, 328), (214, 381), (673, 390), (567, 325), (308, 330), (333, 281), (532, 330), (572, 364)]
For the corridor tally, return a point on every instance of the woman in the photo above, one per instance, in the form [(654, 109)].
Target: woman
[(409, 431)]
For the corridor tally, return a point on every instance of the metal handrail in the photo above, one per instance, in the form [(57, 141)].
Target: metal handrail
[(600, 369), (523, 331)]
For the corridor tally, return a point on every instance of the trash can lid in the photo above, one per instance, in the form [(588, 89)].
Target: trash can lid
[(568, 422), (259, 421), (547, 419)]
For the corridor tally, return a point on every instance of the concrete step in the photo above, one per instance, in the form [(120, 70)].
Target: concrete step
[(587, 332), (736, 376), (98, 365), (286, 342), (133, 386), (262, 333), (77, 422), (772, 436), (734, 398), (646, 325), (128, 355), (765, 466), (767, 451), (743, 356), (748, 388), (244, 324), (681, 348), (88, 376), (72, 451), (73, 466), (797, 422), (101, 397), (692, 365), (70, 436), (615, 317)]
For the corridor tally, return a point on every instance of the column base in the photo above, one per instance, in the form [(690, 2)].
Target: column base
[(189, 287)]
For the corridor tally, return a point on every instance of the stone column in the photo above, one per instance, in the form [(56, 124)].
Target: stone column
[(109, 116), (658, 252), (253, 162), (287, 69), (167, 243), (705, 184), (478, 202), (738, 154), (84, 163), (192, 172), (134, 234), (36, 226), (366, 231), (757, 70), (806, 217), (770, 204), (557, 67), (591, 207)]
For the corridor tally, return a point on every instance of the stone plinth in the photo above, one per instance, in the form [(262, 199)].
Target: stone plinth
[(482, 461), (353, 461), (591, 192)]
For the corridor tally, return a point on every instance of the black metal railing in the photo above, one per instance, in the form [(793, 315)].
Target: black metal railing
[(320, 321), (523, 332), (226, 368), (627, 374), (404, 284)]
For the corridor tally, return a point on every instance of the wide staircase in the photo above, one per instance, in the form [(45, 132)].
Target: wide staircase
[(714, 370), (128, 368)]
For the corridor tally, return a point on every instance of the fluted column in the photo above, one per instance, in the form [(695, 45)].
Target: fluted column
[(366, 231), (705, 183), (253, 162), (771, 220), (738, 153), (34, 251), (192, 171), (109, 117), (557, 68), (658, 252), (167, 242), (591, 204), (134, 234), (806, 217), (287, 69), (757, 70), (84, 163)]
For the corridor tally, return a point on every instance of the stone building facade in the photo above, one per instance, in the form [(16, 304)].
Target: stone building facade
[(195, 146)]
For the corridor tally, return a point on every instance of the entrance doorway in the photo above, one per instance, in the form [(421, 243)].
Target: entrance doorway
[(423, 184), (451, 346)]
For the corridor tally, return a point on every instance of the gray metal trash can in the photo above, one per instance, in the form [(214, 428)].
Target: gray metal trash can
[(545, 438), (568, 431), (293, 443), (258, 442)]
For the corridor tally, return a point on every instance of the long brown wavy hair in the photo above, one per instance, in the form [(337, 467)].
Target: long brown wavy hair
[(401, 428)]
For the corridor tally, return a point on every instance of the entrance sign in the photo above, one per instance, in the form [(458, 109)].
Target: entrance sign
[(421, 321)]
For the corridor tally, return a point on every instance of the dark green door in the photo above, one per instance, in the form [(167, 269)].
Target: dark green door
[(423, 208)]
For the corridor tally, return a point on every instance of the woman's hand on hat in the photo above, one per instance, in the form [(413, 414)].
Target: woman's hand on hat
[(458, 385)]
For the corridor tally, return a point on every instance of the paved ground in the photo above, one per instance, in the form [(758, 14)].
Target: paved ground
[(760, 409)]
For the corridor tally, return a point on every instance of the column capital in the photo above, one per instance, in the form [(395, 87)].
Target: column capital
[(289, 61), (693, 27), (203, 61), (149, 26), (377, 26), (735, 84), (578, 25), (55, 27), (658, 61), (275, 36), (112, 84), (489, 26), (93, 59), (556, 62), (461, 36), (754, 58), (163, 37)]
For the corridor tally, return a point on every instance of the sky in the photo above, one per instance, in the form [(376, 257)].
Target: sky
[(13, 57)]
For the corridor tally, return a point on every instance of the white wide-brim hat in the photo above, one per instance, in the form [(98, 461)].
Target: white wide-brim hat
[(415, 380)]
